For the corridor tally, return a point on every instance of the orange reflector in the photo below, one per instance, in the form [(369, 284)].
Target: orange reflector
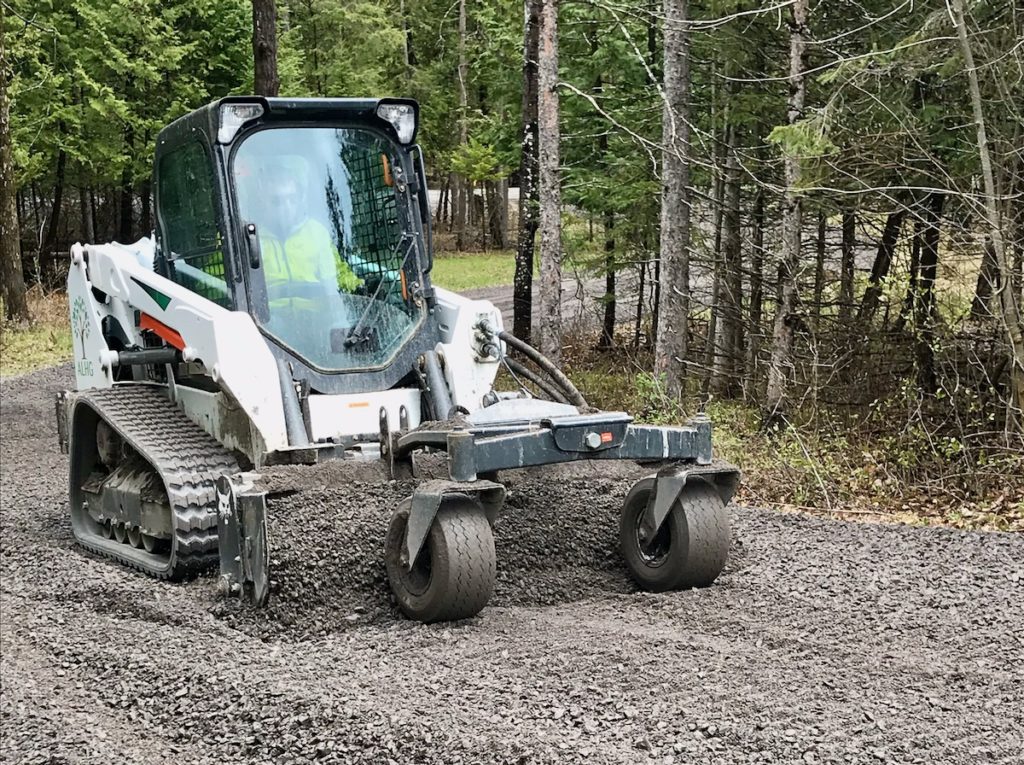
[(388, 180), (359, 405), (168, 335), (405, 288), (606, 438)]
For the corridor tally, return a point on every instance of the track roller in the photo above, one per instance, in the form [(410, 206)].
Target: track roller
[(453, 575), (690, 547)]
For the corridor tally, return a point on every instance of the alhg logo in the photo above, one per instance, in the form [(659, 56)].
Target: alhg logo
[(81, 328)]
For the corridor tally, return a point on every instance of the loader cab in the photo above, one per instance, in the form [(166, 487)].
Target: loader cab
[(309, 214)]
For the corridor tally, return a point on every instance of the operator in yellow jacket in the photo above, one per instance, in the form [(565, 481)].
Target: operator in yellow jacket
[(301, 265)]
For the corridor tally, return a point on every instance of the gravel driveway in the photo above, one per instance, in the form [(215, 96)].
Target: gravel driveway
[(821, 642)]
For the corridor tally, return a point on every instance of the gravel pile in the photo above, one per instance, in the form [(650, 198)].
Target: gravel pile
[(821, 642), (556, 543)]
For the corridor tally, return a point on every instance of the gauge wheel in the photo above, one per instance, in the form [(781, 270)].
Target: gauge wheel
[(453, 576), (690, 548)]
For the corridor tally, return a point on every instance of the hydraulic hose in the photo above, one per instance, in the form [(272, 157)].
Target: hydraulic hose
[(293, 423), (564, 383), (547, 388), (437, 387)]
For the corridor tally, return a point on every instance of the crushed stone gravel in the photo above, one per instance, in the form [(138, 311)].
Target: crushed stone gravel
[(822, 642)]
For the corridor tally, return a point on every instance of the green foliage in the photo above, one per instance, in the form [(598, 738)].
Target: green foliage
[(805, 139), (477, 161), (97, 79)]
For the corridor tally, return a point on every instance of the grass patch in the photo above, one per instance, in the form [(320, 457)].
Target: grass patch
[(44, 341), (458, 272)]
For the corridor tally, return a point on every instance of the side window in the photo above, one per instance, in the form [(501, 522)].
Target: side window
[(188, 216)]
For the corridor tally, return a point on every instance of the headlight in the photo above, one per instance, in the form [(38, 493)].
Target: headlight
[(402, 117), (233, 116)]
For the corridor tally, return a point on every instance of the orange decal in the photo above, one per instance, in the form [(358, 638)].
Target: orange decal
[(169, 336), (606, 438), (358, 404)]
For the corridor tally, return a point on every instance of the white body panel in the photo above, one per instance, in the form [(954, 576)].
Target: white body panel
[(470, 375), (359, 413), (227, 343), (248, 414)]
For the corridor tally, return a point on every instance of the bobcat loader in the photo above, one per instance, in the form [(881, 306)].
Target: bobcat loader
[(284, 315)]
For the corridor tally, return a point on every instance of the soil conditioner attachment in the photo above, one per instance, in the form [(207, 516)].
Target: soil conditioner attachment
[(284, 314)]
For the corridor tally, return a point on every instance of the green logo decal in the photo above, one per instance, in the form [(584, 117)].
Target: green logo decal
[(80, 322), (81, 327), (159, 298)]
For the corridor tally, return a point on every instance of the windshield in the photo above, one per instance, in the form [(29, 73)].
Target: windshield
[(337, 265)]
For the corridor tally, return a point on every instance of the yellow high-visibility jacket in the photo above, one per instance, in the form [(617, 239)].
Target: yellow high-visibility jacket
[(306, 256)]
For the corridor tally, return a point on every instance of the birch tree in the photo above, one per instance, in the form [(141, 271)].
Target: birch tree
[(523, 281), (549, 325)]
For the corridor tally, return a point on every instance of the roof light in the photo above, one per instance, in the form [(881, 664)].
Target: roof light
[(233, 116), (402, 118)]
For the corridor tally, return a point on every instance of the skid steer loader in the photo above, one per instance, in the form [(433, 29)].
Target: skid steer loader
[(284, 315)]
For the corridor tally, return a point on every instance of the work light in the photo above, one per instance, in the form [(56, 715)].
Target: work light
[(233, 116), (402, 118)]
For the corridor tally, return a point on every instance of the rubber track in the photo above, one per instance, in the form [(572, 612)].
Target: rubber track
[(188, 460)]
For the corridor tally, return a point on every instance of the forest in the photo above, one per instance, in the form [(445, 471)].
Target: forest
[(805, 218)]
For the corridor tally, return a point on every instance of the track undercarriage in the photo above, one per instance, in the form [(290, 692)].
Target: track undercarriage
[(152, 490), (142, 481)]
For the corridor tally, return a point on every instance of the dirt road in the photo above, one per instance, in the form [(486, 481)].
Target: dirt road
[(822, 641)]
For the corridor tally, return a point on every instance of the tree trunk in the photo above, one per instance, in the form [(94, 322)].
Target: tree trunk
[(639, 317), (711, 338), (924, 308), (264, 48), (12, 280), (125, 194), (756, 291), (93, 216), (608, 325), (880, 268), (988, 280), (522, 287), (1010, 311), (48, 256), (728, 359), (407, 57), (786, 319), (459, 205), (499, 213), (442, 202), (671, 351), (88, 232), (819, 266), (145, 193), (848, 255), (550, 321), (464, 196), (913, 276)]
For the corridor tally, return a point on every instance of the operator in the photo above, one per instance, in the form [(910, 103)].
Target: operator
[(300, 262)]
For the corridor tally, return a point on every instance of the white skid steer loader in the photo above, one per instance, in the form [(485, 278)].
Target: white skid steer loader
[(284, 314)]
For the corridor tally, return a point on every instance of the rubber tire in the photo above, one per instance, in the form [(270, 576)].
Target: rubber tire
[(698, 545), (463, 563)]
